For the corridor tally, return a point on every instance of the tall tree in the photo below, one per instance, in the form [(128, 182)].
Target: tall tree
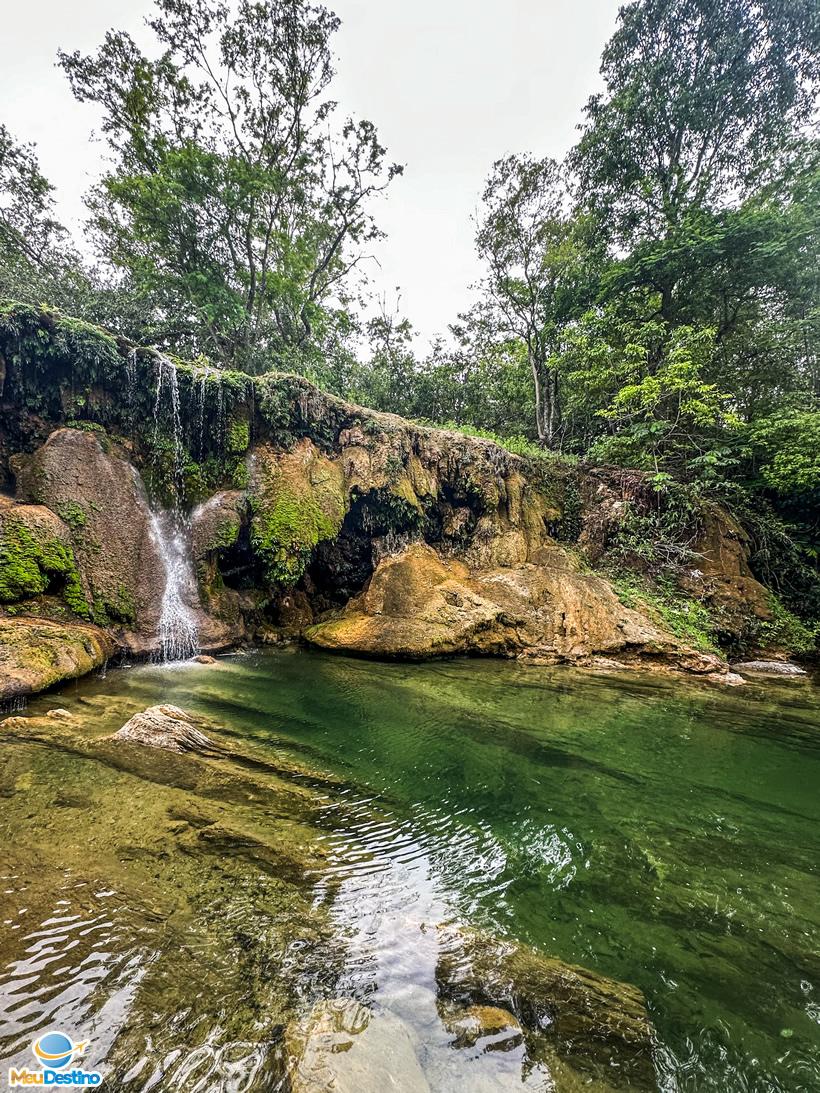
[(34, 246), (535, 276), (702, 98), (233, 202)]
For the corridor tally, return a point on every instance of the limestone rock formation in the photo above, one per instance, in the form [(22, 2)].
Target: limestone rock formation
[(98, 494), (308, 513), (100, 497), (39, 653), (165, 726), (418, 605), (722, 576)]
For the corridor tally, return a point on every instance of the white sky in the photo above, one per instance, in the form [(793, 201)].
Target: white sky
[(450, 84)]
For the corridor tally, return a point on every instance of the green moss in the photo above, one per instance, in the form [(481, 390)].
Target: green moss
[(74, 596), (294, 506), (286, 530), (30, 564), (73, 514), (239, 476), (238, 438), (686, 618)]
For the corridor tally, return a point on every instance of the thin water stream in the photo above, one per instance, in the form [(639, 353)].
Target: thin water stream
[(182, 918)]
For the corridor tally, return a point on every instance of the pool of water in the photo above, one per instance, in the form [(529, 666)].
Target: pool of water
[(660, 833)]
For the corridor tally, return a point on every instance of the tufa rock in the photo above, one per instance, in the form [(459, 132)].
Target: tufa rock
[(37, 653), (418, 604), (166, 727)]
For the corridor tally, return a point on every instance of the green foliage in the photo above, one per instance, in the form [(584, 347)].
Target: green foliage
[(234, 204), (656, 530), (686, 618), (788, 443), (787, 632)]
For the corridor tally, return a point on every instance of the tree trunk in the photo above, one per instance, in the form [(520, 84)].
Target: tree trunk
[(547, 402)]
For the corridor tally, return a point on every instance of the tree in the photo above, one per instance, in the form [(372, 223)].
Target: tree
[(536, 277), (702, 99), (233, 202), (35, 252)]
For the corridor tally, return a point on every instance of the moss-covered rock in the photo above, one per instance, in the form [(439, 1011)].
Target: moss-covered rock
[(297, 499), (37, 653), (36, 557)]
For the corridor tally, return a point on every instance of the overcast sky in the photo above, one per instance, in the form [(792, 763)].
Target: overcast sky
[(451, 85)]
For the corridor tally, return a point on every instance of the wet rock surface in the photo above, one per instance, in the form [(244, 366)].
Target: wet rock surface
[(167, 727), (345, 1047), (37, 653), (783, 668), (592, 1023), (418, 605)]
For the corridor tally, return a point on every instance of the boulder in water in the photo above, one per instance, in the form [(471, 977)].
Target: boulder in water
[(769, 668), (419, 604), (166, 727), (37, 653), (490, 1027), (598, 1026)]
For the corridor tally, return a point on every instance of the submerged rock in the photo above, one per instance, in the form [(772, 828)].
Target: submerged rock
[(37, 653), (344, 1047), (495, 1028), (166, 727), (769, 668), (595, 1024), (419, 605)]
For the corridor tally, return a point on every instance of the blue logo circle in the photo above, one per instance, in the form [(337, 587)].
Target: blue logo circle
[(54, 1050)]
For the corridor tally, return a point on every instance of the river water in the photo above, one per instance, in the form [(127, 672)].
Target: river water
[(661, 833)]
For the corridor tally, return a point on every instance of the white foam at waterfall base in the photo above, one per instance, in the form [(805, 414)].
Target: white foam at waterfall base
[(177, 634)]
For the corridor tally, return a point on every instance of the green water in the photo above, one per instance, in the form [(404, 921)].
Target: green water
[(661, 833)]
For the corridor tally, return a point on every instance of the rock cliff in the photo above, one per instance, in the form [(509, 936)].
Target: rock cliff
[(301, 514)]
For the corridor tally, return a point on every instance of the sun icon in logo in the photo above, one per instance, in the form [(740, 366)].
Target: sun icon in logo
[(56, 1050)]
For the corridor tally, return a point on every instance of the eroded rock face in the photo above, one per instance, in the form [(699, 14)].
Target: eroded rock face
[(100, 498), (38, 653), (418, 604), (167, 727), (722, 576)]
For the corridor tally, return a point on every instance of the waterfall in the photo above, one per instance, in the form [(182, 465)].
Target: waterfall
[(220, 416), (167, 381), (201, 393), (178, 632)]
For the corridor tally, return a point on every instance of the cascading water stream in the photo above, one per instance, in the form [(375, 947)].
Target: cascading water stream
[(168, 385), (177, 632)]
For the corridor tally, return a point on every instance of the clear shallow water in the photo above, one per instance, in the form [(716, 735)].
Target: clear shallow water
[(656, 832)]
